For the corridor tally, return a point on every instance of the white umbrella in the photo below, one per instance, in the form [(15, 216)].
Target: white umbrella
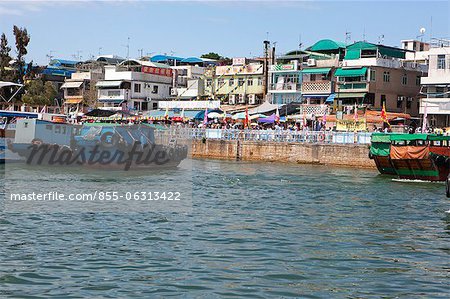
[(214, 115)]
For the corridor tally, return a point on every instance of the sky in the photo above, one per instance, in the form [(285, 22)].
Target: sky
[(83, 29)]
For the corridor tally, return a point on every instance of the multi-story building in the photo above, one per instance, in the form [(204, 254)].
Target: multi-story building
[(435, 95), (285, 83), (237, 84), (135, 85), (374, 75), (79, 91)]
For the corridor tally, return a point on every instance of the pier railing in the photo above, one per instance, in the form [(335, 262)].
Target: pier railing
[(266, 135)]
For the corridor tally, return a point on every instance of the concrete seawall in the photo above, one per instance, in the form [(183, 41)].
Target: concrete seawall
[(352, 155)]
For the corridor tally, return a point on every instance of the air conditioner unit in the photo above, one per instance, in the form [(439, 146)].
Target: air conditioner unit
[(232, 99), (311, 62), (173, 92), (241, 99), (252, 99)]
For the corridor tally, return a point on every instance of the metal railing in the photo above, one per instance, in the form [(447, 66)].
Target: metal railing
[(266, 135)]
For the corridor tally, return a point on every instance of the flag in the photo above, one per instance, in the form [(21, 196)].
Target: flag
[(166, 115), (277, 116), (425, 116), (205, 117), (384, 115), (246, 124), (355, 116)]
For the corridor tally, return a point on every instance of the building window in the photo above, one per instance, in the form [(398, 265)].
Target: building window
[(417, 80), (137, 87), (231, 82), (400, 101), (386, 76), (259, 81), (155, 89), (240, 82), (409, 102), (405, 79), (208, 82), (372, 75), (144, 106), (221, 81), (441, 62), (113, 93), (250, 82), (383, 100)]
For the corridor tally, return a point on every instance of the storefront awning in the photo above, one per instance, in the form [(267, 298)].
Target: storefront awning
[(108, 83), (73, 101), (320, 70), (114, 101), (341, 95), (72, 84), (351, 72)]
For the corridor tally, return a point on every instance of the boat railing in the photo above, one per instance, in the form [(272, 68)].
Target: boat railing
[(330, 137)]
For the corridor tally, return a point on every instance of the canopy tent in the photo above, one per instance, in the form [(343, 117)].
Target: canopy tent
[(330, 98), (100, 113)]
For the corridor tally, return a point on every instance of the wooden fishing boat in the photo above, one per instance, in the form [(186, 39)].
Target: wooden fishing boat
[(412, 156)]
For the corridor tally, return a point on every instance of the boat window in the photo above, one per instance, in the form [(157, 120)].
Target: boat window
[(64, 129), (49, 127), (57, 129), (25, 125)]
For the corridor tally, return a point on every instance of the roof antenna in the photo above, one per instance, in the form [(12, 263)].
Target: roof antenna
[(300, 44), (380, 39), (348, 37), (364, 33)]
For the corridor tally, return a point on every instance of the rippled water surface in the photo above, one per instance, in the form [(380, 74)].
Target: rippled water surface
[(255, 230)]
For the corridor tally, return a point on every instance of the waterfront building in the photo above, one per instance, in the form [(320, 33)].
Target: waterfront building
[(373, 75), (57, 71), (435, 93), (79, 91), (240, 83), (135, 85)]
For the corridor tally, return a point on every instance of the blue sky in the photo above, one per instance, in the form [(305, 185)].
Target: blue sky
[(231, 28)]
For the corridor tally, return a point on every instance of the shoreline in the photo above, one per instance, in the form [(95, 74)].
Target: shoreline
[(343, 155)]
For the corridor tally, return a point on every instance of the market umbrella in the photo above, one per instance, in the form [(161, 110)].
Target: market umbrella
[(268, 120), (255, 116), (215, 115)]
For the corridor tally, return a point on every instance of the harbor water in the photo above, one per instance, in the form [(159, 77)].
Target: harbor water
[(254, 230)]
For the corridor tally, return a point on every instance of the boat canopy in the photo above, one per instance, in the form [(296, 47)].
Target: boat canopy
[(438, 137), (381, 138), (380, 149), (4, 84), (408, 137)]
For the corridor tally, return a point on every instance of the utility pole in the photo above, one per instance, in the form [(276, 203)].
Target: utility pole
[(266, 66)]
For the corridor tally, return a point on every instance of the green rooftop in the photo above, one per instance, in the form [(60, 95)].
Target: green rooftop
[(326, 45)]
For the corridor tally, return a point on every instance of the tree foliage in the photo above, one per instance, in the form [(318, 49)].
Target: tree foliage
[(39, 93), (5, 58), (22, 40), (212, 55)]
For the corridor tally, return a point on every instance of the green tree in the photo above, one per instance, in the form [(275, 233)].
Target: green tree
[(5, 58), (22, 40), (212, 55), (39, 93)]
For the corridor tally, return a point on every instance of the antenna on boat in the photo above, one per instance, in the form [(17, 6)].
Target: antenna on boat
[(348, 37)]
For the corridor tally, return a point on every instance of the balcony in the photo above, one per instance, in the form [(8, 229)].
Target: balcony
[(317, 87), (309, 110), (435, 106), (353, 86), (284, 87)]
